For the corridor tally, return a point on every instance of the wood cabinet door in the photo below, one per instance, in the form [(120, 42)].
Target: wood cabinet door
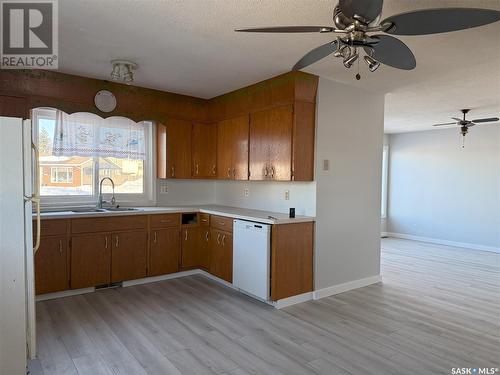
[(221, 255), (190, 247), (270, 156), (204, 150), (164, 251), (51, 265), (204, 260), (178, 149), (232, 148), (129, 255), (13, 106), (90, 260)]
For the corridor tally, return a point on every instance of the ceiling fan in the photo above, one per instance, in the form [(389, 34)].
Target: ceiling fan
[(466, 124), (355, 19)]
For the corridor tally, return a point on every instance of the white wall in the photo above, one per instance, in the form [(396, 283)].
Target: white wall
[(440, 191), (269, 196), (185, 192), (350, 126), (383, 221)]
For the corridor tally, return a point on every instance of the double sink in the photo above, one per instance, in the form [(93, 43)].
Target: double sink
[(110, 209)]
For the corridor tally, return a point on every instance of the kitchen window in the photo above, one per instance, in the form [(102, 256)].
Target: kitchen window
[(78, 150)]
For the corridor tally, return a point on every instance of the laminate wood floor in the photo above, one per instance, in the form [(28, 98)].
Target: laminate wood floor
[(437, 308)]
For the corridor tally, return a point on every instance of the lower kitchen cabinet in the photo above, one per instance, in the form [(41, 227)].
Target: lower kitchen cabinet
[(129, 255), (190, 247), (90, 260), (204, 260), (51, 265), (221, 254), (164, 251)]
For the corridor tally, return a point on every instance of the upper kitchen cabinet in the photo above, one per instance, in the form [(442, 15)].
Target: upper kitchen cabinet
[(178, 149), (271, 144), (232, 150), (204, 150)]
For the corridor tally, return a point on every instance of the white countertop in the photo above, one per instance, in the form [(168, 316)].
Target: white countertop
[(266, 217)]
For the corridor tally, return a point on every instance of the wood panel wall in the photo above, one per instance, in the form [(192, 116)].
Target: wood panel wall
[(21, 90)]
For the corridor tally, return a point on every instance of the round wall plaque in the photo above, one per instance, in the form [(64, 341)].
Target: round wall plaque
[(105, 101)]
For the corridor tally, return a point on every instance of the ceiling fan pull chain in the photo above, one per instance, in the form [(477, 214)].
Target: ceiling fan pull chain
[(358, 76)]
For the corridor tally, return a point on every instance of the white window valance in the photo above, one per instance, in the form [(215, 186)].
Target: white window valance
[(87, 134)]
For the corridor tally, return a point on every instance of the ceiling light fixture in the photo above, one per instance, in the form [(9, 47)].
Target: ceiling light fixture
[(123, 71), (351, 60)]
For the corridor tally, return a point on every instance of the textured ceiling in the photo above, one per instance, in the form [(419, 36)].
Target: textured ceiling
[(189, 47)]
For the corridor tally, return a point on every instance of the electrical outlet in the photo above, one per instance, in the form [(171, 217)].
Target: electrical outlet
[(163, 189), (287, 195), (246, 192)]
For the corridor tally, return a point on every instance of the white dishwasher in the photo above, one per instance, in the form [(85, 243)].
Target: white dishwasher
[(251, 258)]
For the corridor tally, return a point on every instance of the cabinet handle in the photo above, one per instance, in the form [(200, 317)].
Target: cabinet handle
[(266, 172), (154, 237), (214, 169), (218, 238), (272, 171), (172, 168), (185, 235), (60, 247), (206, 236), (197, 169), (234, 172), (229, 172), (116, 241), (224, 240), (105, 242)]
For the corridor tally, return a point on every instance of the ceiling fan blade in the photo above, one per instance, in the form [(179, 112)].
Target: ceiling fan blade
[(393, 52), (440, 20), (446, 123), (316, 54), (491, 119), (288, 29), (367, 10), (456, 118)]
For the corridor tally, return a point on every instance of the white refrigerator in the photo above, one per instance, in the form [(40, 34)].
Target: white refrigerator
[(19, 195)]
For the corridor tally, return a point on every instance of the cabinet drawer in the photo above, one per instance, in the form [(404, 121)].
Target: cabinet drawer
[(204, 220), (221, 222), (109, 224), (165, 220), (52, 227)]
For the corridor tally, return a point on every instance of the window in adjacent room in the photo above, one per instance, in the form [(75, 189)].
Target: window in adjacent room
[(385, 169)]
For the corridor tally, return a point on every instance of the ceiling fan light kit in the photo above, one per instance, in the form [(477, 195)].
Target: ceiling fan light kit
[(355, 20)]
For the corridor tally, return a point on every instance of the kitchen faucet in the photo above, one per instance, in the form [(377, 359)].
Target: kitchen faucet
[(101, 201)]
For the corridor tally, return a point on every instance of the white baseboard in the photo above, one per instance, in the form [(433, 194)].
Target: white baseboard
[(154, 279), (64, 293), (384, 234), (438, 241), (285, 302), (341, 288)]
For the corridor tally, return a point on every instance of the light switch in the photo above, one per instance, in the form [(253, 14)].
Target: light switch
[(326, 164), (246, 192), (287, 195)]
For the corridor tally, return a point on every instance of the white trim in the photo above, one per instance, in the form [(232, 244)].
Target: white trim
[(341, 288), (154, 279), (438, 241), (384, 234), (293, 300), (64, 293)]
